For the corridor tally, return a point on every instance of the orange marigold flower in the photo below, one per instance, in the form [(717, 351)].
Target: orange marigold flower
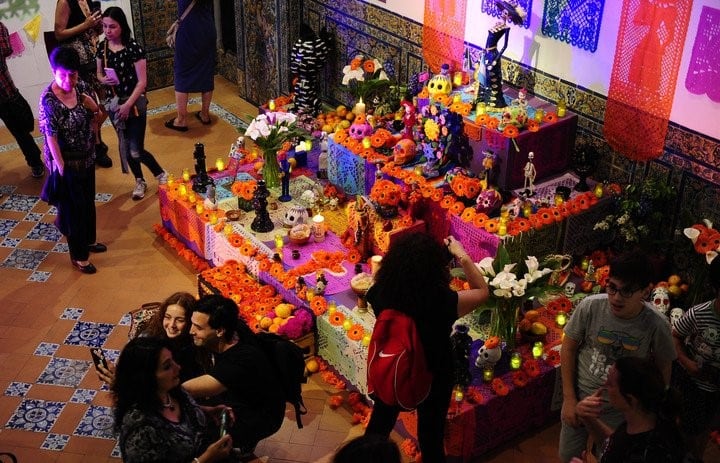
[(369, 66), (480, 219), (493, 123), (550, 117), (436, 195), (531, 367), (337, 319), (522, 224), (546, 215), (482, 119), (356, 332), (520, 378), (510, 131), (267, 291), (236, 240), (468, 214), (247, 249), (318, 305), (341, 135), (553, 357), (473, 395), (353, 256), (447, 201), (276, 269), (491, 225), (457, 208), (533, 125), (424, 93), (499, 387)]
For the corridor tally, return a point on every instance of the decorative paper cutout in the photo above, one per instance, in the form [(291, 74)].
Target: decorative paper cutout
[(642, 84), (576, 22), (444, 34), (490, 7), (32, 27), (703, 75), (17, 45)]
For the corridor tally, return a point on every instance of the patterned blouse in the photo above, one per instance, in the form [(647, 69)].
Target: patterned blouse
[(123, 61), (71, 126), (151, 438)]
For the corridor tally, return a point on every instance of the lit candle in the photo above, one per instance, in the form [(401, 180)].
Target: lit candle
[(457, 98), (182, 189), (599, 190), (561, 319), (418, 170), (366, 143), (366, 340), (559, 199), (458, 394), (347, 324), (220, 164), (186, 174), (561, 108), (279, 242), (488, 374), (332, 307), (308, 145), (481, 108), (375, 264), (191, 197), (584, 263), (515, 361), (271, 105), (502, 227), (458, 78), (199, 208), (309, 294), (318, 228), (504, 212), (537, 350), (170, 179), (527, 210), (359, 107), (539, 115), (228, 229), (213, 218)]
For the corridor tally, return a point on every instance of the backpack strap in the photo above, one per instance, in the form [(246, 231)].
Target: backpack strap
[(299, 411)]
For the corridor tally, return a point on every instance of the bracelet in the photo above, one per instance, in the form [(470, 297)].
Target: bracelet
[(196, 460)]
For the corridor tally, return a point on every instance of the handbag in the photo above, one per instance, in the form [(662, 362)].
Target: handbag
[(172, 31), (140, 318), (51, 42), (52, 189)]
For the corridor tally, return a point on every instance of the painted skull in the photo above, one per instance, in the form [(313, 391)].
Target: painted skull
[(439, 85), (569, 289), (660, 299), (360, 129), (488, 356), (295, 215), (675, 315), (488, 201), (404, 151)]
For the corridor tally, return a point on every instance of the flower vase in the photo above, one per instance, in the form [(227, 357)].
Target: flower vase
[(245, 204), (503, 321), (271, 169)]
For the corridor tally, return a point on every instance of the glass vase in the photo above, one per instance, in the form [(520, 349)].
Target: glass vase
[(504, 320), (271, 169)]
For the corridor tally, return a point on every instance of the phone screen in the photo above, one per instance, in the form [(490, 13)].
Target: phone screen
[(223, 422), (98, 357), (110, 72)]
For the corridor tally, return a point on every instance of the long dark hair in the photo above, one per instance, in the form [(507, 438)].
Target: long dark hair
[(184, 300), (118, 15), (135, 381), (642, 379), (413, 269)]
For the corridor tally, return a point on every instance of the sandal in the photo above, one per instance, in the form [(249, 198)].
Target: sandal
[(202, 121), (171, 125)]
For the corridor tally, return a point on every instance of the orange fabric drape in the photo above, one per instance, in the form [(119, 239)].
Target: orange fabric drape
[(444, 33), (642, 84)]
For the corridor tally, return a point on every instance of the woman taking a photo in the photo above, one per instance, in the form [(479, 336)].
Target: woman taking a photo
[(157, 421), (66, 117), (121, 64)]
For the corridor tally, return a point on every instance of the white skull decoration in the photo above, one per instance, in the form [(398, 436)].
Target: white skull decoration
[(488, 356), (295, 215), (675, 315), (569, 289), (660, 299)]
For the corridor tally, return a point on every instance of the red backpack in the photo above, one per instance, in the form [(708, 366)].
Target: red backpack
[(397, 371)]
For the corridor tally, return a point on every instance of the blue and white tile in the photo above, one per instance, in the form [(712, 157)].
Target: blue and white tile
[(17, 389), (116, 451), (7, 189), (72, 313), (112, 354), (39, 277), (89, 334), (10, 242), (97, 422), (61, 248), (52, 211), (20, 203), (46, 349), (55, 442), (83, 396), (64, 372), (35, 415), (33, 217), (103, 197), (7, 226), (44, 231), (126, 320), (24, 259)]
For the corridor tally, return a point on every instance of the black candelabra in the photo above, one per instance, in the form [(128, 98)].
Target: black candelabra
[(202, 180), (262, 222)]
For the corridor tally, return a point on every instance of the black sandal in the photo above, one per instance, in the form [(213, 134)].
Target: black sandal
[(171, 125)]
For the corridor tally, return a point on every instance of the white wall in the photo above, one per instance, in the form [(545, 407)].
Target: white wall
[(589, 70), (31, 71)]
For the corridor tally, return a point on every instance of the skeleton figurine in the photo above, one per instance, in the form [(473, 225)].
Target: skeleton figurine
[(530, 173), (660, 299), (675, 315), (569, 289)]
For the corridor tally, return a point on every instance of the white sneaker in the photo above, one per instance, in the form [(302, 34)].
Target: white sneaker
[(139, 191), (162, 178)]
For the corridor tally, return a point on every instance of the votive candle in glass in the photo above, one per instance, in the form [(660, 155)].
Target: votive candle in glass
[(199, 208), (170, 179), (219, 164), (488, 373), (561, 108), (186, 174), (539, 115), (480, 108), (515, 361), (537, 350), (561, 319), (271, 105)]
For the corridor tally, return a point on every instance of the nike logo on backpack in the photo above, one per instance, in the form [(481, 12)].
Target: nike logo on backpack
[(383, 354)]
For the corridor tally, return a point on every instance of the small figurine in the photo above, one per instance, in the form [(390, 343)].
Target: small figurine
[(488, 163), (286, 166), (320, 282), (521, 100), (210, 202), (530, 172), (300, 284), (323, 157)]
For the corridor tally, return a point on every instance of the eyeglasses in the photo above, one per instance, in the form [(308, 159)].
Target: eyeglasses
[(626, 293)]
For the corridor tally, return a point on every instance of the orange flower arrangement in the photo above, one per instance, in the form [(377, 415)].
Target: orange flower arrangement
[(560, 304), (553, 357), (466, 187), (337, 319), (482, 119), (244, 189), (493, 122), (468, 214), (385, 193), (318, 305)]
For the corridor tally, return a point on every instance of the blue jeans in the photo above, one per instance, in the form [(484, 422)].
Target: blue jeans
[(131, 141)]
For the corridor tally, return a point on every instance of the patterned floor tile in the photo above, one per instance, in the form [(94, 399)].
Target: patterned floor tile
[(20, 203), (89, 334), (46, 349), (52, 211), (125, 320), (61, 248), (97, 422), (39, 277), (44, 231), (33, 217), (116, 451), (72, 313), (10, 242), (25, 259), (55, 442), (83, 396), (7, 189), (35, 415), (103, 197), (64, 372), (7, 226), (17, 389)]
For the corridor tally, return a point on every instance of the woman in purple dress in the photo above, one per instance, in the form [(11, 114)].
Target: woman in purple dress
[(194, 61)]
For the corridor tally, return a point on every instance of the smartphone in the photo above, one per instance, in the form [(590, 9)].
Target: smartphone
[(98, 357), (223, 422), (110, 72)]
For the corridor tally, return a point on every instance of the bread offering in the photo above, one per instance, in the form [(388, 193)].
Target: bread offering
[(299, 234)]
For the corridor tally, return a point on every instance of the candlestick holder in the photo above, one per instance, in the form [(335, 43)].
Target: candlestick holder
[(261, 222)]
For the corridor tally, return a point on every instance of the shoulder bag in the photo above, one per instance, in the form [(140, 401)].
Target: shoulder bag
[(172, 32)]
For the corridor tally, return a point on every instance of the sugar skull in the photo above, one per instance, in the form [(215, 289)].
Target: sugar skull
[(404, 151), (488, 356), (488, 201), (569, 289), (660, 299), (675, 315), (439, 84), (295, 215), (360, 128)]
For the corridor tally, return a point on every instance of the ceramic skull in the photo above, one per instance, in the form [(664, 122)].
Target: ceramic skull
[(439, 84), (489, 201), (295, 215), (675, 315), (569, 289), (360, 129), (404, 151), (488, 356), (660, 299)]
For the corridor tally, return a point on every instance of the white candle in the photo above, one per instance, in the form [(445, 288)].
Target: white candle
[(359, 107)]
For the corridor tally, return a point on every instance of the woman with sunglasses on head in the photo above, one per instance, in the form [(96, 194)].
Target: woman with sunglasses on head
[(603, 328)]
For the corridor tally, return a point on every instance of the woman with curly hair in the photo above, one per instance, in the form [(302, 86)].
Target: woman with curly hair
[(414, 278), (155, 418)]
